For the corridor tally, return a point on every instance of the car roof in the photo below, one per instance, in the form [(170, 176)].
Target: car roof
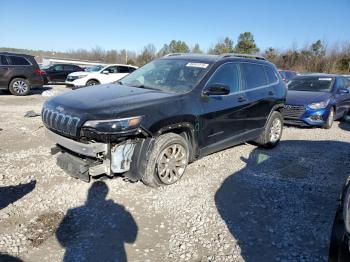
[(120, 65), (15, 54), (318, 75), (215, 58)]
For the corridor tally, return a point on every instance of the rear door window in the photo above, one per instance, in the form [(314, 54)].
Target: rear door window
[(3, 60), (18, 60), (132, 69), (253, 75), (123, 69), (271, 75), (227, 74)]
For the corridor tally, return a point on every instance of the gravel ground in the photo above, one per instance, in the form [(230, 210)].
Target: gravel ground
[(241, 204)]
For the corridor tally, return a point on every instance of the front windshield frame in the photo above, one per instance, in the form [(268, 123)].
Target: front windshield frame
[(329, 79), (201, 75)]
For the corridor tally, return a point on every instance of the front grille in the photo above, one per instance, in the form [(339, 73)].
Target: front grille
[(63, 123), (294, 112)]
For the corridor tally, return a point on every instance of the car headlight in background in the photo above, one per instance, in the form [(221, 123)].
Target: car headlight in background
[(80, 76), (114, 125), (319, 105)]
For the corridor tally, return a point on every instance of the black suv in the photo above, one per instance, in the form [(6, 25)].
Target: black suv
[(57, 73), (170, 112), (19, 73)]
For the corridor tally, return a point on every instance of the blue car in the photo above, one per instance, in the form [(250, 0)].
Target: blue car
[(316, 100)]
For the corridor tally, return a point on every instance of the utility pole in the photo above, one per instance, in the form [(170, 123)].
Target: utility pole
[(126, 56)]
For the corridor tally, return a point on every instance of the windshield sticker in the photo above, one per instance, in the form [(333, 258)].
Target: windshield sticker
[(200, 65), (325, 79)]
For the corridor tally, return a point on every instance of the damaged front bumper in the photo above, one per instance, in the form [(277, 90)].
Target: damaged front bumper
[(81, 160)]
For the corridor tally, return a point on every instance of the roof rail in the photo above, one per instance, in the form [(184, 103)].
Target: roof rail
[(257, 57), (175, 54)]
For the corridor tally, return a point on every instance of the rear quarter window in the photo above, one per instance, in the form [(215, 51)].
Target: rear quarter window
[(253, 75), (271, 75), (18, 60)]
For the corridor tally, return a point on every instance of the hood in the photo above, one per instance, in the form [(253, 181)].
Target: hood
[(79, 73), (106, 101), (306, 97)]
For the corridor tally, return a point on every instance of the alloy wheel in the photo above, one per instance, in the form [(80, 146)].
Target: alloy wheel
[(172, 163), (20, 87), (275, 130)]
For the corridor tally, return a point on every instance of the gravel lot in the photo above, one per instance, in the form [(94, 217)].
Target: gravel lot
[(241, 204)]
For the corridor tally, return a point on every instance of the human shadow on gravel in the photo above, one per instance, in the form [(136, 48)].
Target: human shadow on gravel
[(281, 206), (10, 194), (8, 258), (97, 230)]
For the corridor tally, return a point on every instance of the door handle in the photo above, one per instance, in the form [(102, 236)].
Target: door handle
[(241, 99)]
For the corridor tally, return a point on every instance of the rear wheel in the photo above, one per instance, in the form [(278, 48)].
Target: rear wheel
[(272, 132), (19, 87), (92, 83), (168, 160), (330, 119)]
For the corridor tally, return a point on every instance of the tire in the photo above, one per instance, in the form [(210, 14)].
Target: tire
[(272, 133), (330, 119), (167, 148), (92, 83), (19, 87)]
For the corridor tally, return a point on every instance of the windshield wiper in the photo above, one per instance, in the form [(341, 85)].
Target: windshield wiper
[(145, 87), (119, 82)]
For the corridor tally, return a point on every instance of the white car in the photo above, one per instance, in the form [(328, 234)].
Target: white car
[(99, 75)]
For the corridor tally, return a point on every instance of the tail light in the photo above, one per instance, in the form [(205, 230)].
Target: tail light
[(40, 72)]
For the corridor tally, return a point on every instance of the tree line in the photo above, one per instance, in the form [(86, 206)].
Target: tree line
[(315, 57)]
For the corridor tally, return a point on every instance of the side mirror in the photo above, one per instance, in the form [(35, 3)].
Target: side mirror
[(217, 90), (105, 72), (343, 91)]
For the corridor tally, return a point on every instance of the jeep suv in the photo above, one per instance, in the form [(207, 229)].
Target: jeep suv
[(149, 125), (19, 73)]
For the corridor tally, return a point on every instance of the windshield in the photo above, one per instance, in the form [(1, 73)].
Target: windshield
[(94, 68), (45, 66), (171, 75), (311, 83)]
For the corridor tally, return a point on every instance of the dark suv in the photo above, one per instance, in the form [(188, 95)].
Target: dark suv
[(57, 73), (170, 112), (19, 73)]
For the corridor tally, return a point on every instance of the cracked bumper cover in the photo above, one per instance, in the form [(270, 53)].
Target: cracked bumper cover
[(78, 167)]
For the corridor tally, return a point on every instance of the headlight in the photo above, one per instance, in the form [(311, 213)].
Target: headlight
[(319, 105), (81, 76), (114, 125)]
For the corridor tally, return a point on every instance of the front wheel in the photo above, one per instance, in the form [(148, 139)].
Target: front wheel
[(330, 119), (272, 133), (92, 83), (167, 162)]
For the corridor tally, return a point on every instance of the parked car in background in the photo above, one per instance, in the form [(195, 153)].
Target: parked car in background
[(348, 78), (340, 237), (57, 73), (96, 76), (316, 100), (287, 75), (80, 74), (149, 125), (19, 73)]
